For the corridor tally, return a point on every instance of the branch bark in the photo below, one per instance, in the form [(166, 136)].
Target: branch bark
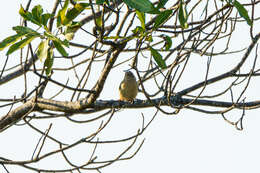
[(76, 107)]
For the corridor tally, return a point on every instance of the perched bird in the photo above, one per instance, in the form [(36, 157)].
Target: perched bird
[(128, 87)]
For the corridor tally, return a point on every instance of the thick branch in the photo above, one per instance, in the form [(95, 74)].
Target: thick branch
[(101, 81), (76, 107)]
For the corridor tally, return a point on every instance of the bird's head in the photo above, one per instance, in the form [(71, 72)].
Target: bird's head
[(129, 75)]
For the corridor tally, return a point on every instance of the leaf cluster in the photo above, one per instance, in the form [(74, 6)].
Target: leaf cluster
[(65, 18)]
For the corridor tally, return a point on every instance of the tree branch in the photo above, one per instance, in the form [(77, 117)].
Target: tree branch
[(224, 75), (76, 107)]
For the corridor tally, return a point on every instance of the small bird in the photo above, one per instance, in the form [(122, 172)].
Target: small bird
[(128, 87)]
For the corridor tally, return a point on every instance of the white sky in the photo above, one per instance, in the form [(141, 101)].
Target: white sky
[(188, 142)]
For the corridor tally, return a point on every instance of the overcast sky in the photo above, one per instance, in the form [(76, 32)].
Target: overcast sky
[(188, 142)]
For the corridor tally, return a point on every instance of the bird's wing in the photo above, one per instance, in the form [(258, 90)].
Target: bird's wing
[(122, 85)]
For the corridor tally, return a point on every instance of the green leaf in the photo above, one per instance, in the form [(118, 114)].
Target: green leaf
[(25, 14), (99, 2), (20, 44), (37, 12), (28, 16), (73, 27), (149, 38), (74, 12), (99, 21), (10, 40), (65, 42), (158, 58), (22, 12), (58, 23), (60, 48), (62, 13), (53, 38), (161, 4), (45, 17), (50, 36), (141, 17), (25, 30), (183, 15), (42, 51), (48, 63), (36, 16), (138, 29), (161, 18), (142, 6), (168, 42), (243, 12)]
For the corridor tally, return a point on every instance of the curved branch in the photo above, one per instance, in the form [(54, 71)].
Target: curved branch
[(18, 72), (225, 75)]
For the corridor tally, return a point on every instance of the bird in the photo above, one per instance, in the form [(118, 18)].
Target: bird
[(128, 87)]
